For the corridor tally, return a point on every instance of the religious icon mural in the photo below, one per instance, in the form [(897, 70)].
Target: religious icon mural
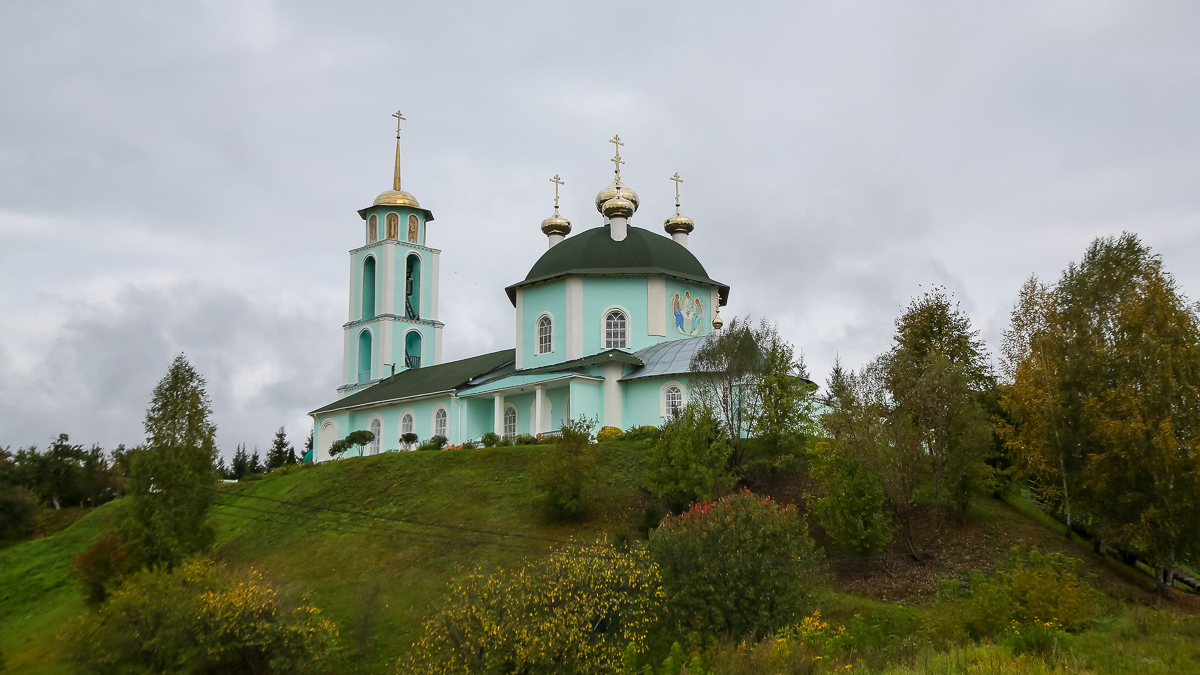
[(412, 229), (687, 312)]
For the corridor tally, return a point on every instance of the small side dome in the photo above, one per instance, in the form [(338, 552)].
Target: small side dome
[(618, 207), (678, 223), (556, 224), (396, 198), (717, 322), (616, 189)]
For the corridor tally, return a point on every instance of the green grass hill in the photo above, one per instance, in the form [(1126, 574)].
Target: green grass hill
[(374, 541)]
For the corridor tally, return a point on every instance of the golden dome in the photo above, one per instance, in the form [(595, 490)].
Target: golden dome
[(396, 198), (556, 224), (678, 223), (717, 322), (618, 207), (616, 189)]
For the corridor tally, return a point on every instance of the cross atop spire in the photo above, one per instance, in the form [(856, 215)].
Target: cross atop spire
[(678, 181), (396, 175), (616, 160), (557, 182)]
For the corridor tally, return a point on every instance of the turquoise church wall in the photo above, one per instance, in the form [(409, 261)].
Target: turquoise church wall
[(551, 298), (599, 295)]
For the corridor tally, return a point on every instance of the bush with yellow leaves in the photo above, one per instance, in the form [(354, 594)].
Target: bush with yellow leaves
[(200, 618), (607, 434), (576, 610)]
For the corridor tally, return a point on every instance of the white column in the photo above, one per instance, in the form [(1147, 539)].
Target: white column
[(539, 402), (520, 321), (612, 395), (387, 299), (680, 238), (656, 300), (498, 427), (574, 318), (434, 276)]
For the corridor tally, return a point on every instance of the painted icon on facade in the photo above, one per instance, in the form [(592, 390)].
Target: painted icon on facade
[(688, 313)]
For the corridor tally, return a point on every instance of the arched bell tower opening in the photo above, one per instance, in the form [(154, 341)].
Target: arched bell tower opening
[(364, 357), (412, 349), (412, 286), (368, 288)]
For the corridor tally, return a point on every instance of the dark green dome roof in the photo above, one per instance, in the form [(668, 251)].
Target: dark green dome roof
[(594, 253)]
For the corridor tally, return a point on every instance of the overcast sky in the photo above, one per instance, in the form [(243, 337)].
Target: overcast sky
[(184, 177)]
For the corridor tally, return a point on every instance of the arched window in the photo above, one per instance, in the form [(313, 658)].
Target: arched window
[(545, 335), (412, 286), (615, 335), (393, 226), (372, 229), (364, 357), (412, 349), (439, 423), (414, 229), (510, 421), (672, 400), (376, 429), (368, 288), (406, 424)]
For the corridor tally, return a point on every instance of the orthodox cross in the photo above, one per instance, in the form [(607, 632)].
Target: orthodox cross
[(677, 180), (396, 175), (616, 160), (557, 181)]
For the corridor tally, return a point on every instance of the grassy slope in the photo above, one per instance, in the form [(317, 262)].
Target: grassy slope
[(376, 579)]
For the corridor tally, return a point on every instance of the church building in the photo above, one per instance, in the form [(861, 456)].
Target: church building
[(607, 321)]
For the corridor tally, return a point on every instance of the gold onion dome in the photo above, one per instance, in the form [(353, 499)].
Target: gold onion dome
[(679, 223), (556, 224), (717, 322), (618, 207), (616, 189), (396, 198)]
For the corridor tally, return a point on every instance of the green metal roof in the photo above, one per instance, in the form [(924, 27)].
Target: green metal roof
[(421, 381), (594, 253)]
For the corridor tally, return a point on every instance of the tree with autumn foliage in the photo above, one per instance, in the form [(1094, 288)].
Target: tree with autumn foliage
[(1104, 396)]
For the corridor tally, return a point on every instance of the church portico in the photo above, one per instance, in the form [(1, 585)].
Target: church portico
[(606, 321)]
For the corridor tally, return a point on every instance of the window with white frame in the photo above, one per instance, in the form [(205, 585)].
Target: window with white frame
[(376, 428), (672, 400), (615, 334), (510, 421), (440, 423), (545, 335), (406, 424)]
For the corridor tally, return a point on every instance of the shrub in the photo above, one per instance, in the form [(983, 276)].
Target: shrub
[(19, 509), (490, 440), (742, 566), (687, 462), (564, 475), (100, 566), (851, 509), (642, 433), (467, 445), (548, 438), (1039, 588), (523, 439), (201, 618), (435, 443), (578, 610), (409, 439), (607, 434)]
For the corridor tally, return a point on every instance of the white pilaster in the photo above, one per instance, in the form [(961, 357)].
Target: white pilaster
[(714, 305), (612, 395), (498, 427), (386, 352), (433, 292), (355, 279), (539, 402), (520, 327), (656, 302), (387, 300), (437, 345), (574, 318)]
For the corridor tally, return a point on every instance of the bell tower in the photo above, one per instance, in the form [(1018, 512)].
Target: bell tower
[(393, 320)]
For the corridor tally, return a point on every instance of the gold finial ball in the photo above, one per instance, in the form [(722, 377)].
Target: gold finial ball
[(396, 198), (618, 207), (612, 192), (679, 223), (556, 224), (717, 322)]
